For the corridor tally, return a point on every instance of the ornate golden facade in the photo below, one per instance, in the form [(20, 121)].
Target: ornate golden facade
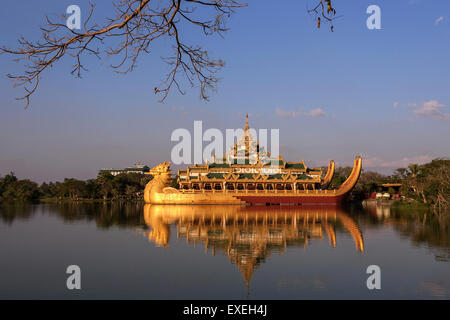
[(247, 174)]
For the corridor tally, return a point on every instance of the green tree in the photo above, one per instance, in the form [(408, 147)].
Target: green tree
[(105, 181), (22, 190)]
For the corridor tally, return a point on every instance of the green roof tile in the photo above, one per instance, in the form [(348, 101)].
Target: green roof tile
[(215, 175), (275, 176), (303, 177), (295, 165), (246, 176), (219, 165)]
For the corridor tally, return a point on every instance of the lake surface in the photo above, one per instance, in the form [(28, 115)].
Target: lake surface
[(136, 251)]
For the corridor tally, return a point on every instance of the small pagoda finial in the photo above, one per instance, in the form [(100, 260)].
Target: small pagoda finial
[(246, 122)]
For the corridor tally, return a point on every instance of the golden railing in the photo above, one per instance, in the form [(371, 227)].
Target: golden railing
[(306, 192)]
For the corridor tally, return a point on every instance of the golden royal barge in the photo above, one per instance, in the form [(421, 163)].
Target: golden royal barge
[(247, 175)]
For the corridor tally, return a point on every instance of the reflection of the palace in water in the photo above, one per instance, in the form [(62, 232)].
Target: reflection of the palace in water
[(50, 236), (247, 235)]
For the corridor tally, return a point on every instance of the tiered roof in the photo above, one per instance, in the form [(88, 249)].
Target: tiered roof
[(246, 161)]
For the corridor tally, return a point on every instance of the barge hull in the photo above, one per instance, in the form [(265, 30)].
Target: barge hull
[(291, 199)]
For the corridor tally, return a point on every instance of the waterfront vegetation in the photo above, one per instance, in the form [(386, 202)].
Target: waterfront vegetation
[(427, 185), (125, 186)]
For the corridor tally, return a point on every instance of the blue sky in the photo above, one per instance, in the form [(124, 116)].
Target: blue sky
[(383, 94)]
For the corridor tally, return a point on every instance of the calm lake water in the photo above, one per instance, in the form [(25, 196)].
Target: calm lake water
[(131, 250)]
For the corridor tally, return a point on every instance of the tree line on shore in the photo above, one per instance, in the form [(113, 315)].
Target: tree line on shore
[(125, 186), (428, 183)]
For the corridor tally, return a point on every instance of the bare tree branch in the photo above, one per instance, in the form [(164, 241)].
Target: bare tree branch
[(137, 23), (324, 12)]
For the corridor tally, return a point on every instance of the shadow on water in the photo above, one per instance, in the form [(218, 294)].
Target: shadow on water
[(10, 212), (104, 214), (418, 224), (223, 226), (248, 236), (421, 226)]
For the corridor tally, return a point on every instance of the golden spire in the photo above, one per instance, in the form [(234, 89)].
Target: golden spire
[(246, 123)]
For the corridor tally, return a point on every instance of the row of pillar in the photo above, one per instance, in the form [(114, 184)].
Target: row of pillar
[(248, 186)]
